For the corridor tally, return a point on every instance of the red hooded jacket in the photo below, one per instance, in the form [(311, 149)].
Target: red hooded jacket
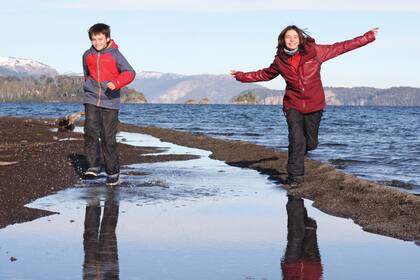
[(302, 270), (304, 91)]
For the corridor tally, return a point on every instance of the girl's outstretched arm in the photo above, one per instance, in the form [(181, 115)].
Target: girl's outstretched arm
[(326, 52), (265, 74)]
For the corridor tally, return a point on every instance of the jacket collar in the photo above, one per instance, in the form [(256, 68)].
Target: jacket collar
[(310, 50)]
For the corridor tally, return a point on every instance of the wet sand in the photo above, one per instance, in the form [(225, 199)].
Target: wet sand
[(46, 165)]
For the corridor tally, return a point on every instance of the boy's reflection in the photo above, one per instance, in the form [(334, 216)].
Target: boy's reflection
[(100, 240), (301, 259)]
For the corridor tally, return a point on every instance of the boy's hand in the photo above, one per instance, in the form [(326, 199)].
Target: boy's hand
[(111, 86)]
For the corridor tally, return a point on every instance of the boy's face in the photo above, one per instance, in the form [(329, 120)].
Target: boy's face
[(100, 41)]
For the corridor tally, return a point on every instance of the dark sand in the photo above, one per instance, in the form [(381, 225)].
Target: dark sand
[(34, 163), (46, 165)]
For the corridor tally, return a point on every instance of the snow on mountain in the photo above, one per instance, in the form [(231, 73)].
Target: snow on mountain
[(21, 67), (73, 74), (156, 75)]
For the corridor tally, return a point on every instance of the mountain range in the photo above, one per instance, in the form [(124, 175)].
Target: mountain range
[(159, 87), (175, 88)]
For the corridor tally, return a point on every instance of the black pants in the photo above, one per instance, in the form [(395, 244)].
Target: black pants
[(101, 123), (100, 240), (303, 137), (302, 243)]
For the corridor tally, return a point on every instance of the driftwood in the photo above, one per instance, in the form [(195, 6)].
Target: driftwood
[(67, 123)]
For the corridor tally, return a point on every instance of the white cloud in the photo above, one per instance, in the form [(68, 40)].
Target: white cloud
[(248, 5)]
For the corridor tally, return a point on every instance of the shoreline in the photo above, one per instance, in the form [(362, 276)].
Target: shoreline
[(374, 207)]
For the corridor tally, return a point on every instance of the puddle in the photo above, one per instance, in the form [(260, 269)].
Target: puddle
[(194, 219)]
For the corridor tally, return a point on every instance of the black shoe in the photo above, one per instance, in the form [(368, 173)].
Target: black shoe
[(92, 172), (113, 180), (294, 181), (310, 224)]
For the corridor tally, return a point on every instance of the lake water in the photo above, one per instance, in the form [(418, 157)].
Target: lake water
[(376, 143)]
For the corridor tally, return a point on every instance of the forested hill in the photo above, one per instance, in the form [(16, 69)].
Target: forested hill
[(60, 88)]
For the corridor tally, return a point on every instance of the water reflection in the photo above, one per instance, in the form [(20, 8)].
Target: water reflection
[(99, 238), (302, 259)]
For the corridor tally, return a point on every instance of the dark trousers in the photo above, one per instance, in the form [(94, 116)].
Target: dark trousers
[(100, 130), (100, 240), (303, 137), (302, 242)]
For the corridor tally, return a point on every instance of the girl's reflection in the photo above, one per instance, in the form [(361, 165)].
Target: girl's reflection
[(301, 259), (100, 240)]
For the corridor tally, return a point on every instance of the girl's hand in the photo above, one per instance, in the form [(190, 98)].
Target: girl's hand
[(233, 73), (375, 31), (237, 75)]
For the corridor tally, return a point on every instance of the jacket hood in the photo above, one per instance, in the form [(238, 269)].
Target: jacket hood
[(310, 49), (310, 40), (112, 45)]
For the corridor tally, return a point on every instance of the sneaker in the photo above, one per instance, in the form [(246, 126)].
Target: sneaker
[(92, 172), (113, 180), (294, 181)]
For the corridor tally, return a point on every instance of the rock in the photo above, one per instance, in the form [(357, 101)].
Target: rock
[(13, 259), (3, 163), (398, 184)]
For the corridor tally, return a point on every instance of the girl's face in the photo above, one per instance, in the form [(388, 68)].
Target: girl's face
[(291, 38)]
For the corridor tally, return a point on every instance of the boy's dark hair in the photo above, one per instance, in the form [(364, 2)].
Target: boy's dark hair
[(100, 28)]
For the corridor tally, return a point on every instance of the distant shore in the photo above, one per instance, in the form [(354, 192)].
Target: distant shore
[(35, 163)]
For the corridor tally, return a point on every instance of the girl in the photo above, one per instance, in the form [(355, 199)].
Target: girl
[(298, 61)]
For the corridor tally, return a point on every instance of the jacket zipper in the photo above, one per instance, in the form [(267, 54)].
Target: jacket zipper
[(99, 80), (301, 73)]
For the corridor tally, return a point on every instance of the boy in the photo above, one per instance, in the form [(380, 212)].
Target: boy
[(106, 71)]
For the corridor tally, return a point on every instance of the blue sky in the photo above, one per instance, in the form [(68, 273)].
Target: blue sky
[(214, 36)]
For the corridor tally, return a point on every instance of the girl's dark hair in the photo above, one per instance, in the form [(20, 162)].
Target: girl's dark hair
[(281, 42), (100, 28)]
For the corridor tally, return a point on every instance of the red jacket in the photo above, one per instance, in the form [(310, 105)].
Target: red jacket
[(304, 91), (302, 270)]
